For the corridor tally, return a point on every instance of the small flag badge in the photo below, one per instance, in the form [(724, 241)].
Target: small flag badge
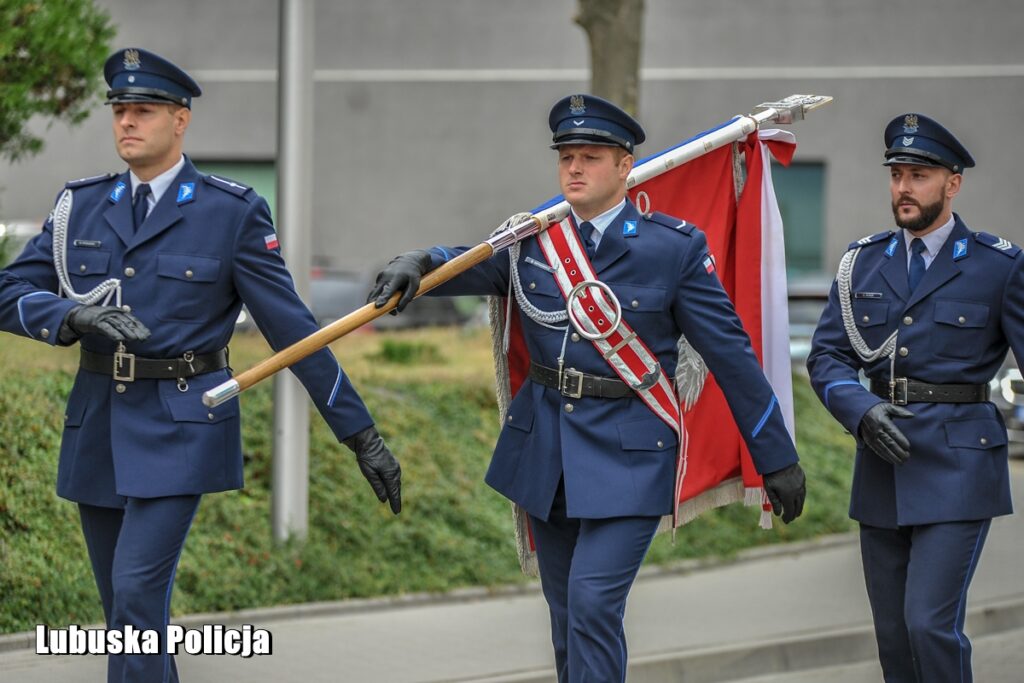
[(271, 241), (709, 264)]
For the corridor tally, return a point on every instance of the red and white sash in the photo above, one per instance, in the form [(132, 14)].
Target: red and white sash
[(623, 350)]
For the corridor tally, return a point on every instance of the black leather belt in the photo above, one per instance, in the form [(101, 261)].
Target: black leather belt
[(906, 391), (576, 384), (127, 367)]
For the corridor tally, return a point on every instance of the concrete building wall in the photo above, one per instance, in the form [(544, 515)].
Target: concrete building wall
[(430, 115)]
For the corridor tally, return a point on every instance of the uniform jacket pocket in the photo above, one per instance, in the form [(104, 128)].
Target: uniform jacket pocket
[(646, 435), (960, 327), (186, 407), (870, 312), (980, 434)]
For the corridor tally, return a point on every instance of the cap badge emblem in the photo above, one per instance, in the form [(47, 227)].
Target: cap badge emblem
[(907, 142), (132, 60), (910, 123), (577, 107)]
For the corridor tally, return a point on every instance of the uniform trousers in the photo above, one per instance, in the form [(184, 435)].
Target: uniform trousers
[(134, 553), (587, 567), (917, 579)]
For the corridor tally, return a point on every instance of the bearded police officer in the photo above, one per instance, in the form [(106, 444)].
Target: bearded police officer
[(592, 458), (148, 270), (928, 313)]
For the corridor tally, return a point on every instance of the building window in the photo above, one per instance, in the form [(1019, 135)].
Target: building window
[(800, 190)]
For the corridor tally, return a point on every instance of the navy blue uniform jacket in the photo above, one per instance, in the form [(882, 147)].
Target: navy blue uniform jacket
[(201, 252), (618, 458), (955, 328)]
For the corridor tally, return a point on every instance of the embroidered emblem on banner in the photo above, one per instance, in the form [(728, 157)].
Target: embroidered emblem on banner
[(891, 249), (577, 106), (910, 124), (271, 241), (959, 249)]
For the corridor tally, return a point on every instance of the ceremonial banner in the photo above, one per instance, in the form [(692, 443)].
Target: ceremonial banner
[(728, 194)]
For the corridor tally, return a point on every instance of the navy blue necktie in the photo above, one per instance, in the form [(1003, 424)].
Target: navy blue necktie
[(141, 204), (587, 233), (917, 267)]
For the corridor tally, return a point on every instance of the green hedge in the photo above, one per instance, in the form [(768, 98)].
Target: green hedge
[(434, 405)]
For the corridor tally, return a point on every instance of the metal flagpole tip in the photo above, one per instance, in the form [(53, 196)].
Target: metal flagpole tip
[(221, 393), (794, 107)]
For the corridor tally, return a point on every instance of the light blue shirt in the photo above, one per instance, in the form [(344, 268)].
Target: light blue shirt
[(601, 222), (157, 185), (933, 242)]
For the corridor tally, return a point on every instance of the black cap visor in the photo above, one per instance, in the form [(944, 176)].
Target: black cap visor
[(917, 157), (589, 136), (128, 95)]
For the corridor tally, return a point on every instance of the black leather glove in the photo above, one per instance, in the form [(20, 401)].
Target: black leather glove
[(786, 491), (108, 321), (378, 465), (881, 435), (401, 275)]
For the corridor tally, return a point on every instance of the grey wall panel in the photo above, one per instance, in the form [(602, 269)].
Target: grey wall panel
[(402, 162)]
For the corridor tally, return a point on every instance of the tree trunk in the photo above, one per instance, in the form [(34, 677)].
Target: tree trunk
[(613, 29)]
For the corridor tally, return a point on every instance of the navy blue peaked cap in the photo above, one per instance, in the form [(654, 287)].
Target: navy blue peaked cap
[(590, 120), (137, 75), (917, 139)]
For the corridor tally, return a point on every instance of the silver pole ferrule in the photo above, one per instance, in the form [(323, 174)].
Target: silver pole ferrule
[(221, 393)]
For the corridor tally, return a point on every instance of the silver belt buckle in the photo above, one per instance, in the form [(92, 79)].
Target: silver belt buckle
[(124, 360), (895, 387), (564, 385)]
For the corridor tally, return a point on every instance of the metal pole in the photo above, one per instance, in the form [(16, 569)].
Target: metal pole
[(290, 500)]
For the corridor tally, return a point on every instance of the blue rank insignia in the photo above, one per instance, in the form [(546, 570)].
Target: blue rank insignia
[(186, 193), (117, 192), (891, 249), (629, 229), (959, 249)]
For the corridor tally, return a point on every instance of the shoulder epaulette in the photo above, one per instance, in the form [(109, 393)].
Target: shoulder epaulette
[(1001, 245), (871, 239), (676, 224), (92, 180), (227, 185)]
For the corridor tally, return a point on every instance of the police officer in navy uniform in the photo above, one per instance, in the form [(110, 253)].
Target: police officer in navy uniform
[(595, 470), (184, 250), (927, 313)]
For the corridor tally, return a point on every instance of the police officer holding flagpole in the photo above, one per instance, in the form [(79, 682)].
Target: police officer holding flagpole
[(147, 270), (591, 443), (927, 312)]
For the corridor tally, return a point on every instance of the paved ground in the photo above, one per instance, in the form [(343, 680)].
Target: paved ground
[(768, 612)]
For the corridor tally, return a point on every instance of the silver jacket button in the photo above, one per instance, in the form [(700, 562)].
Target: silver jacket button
[(904, 351), (568, 407), (129, 272)]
